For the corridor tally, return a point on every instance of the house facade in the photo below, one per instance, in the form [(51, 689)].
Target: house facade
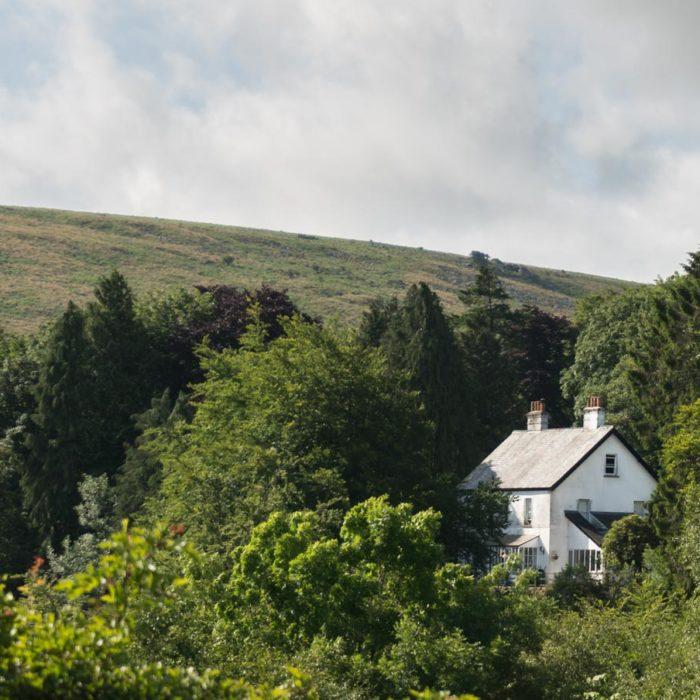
[(567, 486)]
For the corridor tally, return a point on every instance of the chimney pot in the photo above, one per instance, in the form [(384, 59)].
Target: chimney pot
[(594, 413), (537, 418)]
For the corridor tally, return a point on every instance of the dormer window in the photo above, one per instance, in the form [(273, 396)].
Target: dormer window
[(610, 465)]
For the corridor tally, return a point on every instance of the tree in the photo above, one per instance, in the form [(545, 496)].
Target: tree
[(420, 342), (121, 366), (19, 369), (139, 477), (483, 518), (667, 357), (96, 518), (609, 328), (375, 611), (312, 420), (57, 440), (484, 329), (540, 347), (679, 478), (17, 538), (625, 543)]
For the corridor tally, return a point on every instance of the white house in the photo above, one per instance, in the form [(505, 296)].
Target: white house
[(567, 486)]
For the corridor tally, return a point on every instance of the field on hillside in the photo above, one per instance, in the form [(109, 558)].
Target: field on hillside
[(48, 257)]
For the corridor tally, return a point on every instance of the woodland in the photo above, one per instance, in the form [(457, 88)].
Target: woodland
[(211, 493)]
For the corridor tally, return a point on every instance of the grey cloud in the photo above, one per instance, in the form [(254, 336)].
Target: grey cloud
[(541, 132)]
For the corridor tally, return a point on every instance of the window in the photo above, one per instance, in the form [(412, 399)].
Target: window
[(583, 506), (529, 555), (610, 465), (590, 559), (527, 513), (640, 508)]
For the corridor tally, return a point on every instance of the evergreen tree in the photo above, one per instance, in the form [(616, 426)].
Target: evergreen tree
[(57, 446), (667, 357), (121, 366), (420, 341), (375, 321), (485, 325), (17, 538)]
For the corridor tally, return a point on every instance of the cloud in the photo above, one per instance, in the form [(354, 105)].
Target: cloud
[(539, 132)]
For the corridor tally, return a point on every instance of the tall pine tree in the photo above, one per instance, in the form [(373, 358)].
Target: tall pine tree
[(57, 446), (485, 325), (121, 363)]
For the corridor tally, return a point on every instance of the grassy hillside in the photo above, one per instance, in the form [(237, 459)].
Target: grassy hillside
[(49, 256)]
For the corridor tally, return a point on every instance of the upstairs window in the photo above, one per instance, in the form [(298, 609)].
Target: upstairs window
[(527, 513), (610, 465)]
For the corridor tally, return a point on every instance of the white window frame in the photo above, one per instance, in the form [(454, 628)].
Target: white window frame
[(590, 559), (608, 466), (527, 512), (529, 557)]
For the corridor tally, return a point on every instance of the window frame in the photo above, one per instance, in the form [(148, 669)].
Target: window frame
[(527, 512), (590, 559), (606, 466)]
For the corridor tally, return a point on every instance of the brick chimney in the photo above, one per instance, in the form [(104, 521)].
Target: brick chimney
[(537, 418), (594, 413)]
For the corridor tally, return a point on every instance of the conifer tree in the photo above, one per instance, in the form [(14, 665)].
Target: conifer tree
[(121, 367), (664, 371), (420, 341), (485, 327), (58, 438)]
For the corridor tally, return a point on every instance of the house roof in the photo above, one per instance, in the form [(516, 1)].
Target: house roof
[(537, 459), (595, 528), (518, 540)]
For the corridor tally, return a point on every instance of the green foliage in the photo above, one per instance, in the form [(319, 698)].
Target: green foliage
[(140, 476), (574, 585), (635, 340), (58, 437), (120, 360), (667, 358), (609, 329), (541, 346), (19, 369), (83, 651), (96, 518), (674, 499), (485, 326), (625, 543), (313, 421), (375, 612), (483, 519), (17, 538)]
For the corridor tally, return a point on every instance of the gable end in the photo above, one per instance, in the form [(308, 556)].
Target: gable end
[(619, 436)]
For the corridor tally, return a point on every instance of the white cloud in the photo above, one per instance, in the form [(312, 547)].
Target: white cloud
[(539, 132)]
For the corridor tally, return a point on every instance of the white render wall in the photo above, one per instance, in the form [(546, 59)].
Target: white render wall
[(541, 517), (615, 494), (606, 493)]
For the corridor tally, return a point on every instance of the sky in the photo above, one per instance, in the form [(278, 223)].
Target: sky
[(560, 134)]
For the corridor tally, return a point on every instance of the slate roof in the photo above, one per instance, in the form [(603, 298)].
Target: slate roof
[(592, 529), (537, 459)]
